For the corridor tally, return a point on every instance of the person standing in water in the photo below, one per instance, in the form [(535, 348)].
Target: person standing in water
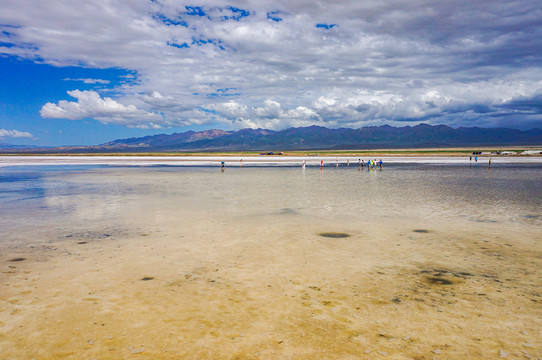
[(223, 165), (322, 165), (303, 165), (489, 162), (380, 162)]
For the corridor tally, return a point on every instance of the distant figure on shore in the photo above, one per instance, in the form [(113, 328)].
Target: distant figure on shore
[(321, 164), (337, 161), (470, 158), (303, 165), (241, 162), (489, 162), (347, 162), (380, 163), (476, 159), (223, 165), (362, 164), (374, 164)]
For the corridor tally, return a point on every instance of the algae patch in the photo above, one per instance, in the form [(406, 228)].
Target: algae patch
[(288, 211), (439, 281), (334, 235)]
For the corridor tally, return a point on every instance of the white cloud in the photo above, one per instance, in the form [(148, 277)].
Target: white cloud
[(90, 81), (14, 134), (270, 115), (91, 105), (230, 109), (271, 109), (383, 62), (157, 100)]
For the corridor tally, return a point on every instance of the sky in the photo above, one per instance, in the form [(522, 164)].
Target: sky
[(87, 72)]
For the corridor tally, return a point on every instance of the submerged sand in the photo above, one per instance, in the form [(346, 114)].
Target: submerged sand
[(243, 272)]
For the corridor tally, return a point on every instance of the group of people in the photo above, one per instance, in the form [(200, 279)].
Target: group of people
[(370, 163), (361, 163)]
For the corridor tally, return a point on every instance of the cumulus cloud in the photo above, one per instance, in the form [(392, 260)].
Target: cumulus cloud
[(90, 104), (289, 63), (270, 115), (90, 81), (14, 134)]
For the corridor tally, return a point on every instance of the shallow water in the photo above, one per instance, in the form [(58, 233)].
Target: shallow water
[(420, 261)]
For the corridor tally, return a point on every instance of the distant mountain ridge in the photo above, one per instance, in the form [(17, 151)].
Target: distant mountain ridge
[(316, 138), (12, 146)]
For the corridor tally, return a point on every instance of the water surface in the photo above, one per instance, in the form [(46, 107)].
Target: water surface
[(415, 261)]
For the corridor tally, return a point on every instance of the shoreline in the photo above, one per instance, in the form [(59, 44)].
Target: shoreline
[(239, 161), (392, 152)]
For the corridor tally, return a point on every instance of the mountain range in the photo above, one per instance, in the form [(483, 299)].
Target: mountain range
[(317, 138)]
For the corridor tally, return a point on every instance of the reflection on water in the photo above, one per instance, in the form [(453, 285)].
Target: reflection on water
[(428, 194), (411, 261)]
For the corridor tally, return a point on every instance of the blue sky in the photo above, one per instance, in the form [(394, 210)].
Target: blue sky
[(87, 73)]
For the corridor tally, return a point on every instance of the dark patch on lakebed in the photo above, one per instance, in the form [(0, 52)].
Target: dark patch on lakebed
[(147, 278), (288, 211), (334, 235), (90, 235), (436, 285), (421, 231), (444, 277), (17, 259), (438, 281)]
